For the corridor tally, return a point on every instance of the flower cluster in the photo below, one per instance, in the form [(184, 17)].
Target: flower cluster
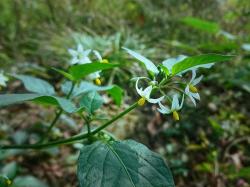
[(171, 89), (82, 56)]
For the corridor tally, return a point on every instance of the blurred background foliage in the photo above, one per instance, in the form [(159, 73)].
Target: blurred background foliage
[(208, 147)]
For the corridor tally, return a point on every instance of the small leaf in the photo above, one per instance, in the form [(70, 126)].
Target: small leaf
[(123, 164), (9, 99), (28, 181), (65, 74), (10, 170), (116, 93), (84, 87), (91, 101), (36, 85), (195, 61), (82, 70), (202, 25), (148, 63)]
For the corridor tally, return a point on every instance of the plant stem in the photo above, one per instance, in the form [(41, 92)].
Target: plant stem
[(58, 114), (73, 138)]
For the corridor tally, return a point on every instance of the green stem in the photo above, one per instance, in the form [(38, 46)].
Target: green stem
[(58, 114), (72, 139)]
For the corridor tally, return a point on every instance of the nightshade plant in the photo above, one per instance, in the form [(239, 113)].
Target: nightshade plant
[(104, 161)]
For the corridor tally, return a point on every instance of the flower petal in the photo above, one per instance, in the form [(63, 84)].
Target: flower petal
[(148, 91), (182, 101), (192, 99), (175, 102), (196, 81), (150, 100), (72, 52), (187, 91), (193, 75), (196, 96), (163, 109), (80, 48), (98, 55), (139, 90)]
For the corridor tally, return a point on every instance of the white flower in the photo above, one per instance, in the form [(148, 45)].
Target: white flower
[(79, 56), (3, 79), (145, 94), (176, 105), (190, 90)]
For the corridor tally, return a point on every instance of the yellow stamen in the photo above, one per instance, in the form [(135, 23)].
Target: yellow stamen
[(193, 88), (105, 61), (141, 101), (98, 81), (176, 116), (8, 182)]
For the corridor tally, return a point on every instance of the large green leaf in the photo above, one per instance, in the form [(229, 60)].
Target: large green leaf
[(202, 25), (82, 70), (123, 164), (9, 99), (91, 101), (196, 61), (148, 63), (36, 85)]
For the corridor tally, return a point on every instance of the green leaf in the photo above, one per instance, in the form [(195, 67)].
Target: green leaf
[(195, 61), (10, 170), (9, 99), (65, 74), (82, 70), (36, 85), (116, 93), (91, 101), (148, 63), (84, 87), (202, 25), (123, 164), (28, 181)]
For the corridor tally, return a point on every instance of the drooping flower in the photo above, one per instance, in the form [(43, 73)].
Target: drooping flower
[(191, 91), (3, 80), (145, 94), (176, 106), (79, 56)]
